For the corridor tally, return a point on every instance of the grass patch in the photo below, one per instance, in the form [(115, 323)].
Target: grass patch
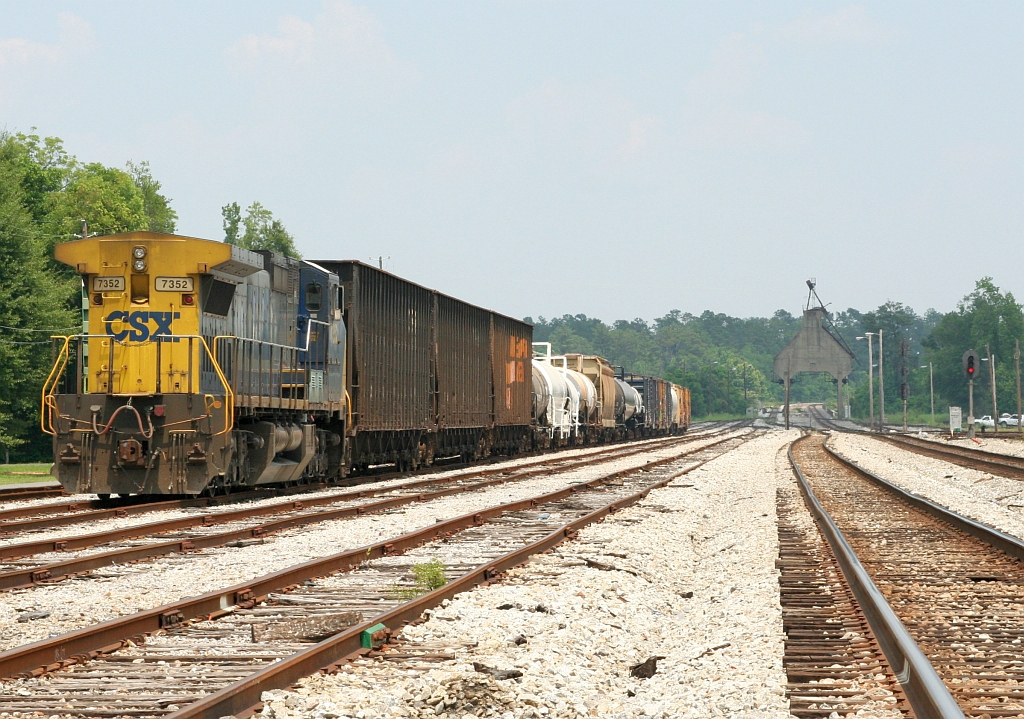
[(427, 576), (18, 473)]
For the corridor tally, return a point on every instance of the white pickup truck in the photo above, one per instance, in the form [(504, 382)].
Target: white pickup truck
[(985, 422)]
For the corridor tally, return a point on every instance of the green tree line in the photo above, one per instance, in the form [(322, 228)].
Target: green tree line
[(727, 361)]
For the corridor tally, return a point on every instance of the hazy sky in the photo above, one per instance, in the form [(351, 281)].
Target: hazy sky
[(541, 158)]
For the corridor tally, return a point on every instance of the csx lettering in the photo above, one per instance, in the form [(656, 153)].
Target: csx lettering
[(138, 326)]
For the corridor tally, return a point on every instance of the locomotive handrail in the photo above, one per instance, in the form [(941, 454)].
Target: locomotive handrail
[(62, 359), (295, 364), (51, 383)]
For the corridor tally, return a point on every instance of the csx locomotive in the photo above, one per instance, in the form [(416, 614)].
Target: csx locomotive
[(204, 367)]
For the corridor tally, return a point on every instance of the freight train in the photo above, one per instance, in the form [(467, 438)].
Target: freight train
[(204, 367)]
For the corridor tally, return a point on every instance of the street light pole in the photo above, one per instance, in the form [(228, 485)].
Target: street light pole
[(871, 379), (881, 383), (1016, 361), (992, 382), (931, 388)]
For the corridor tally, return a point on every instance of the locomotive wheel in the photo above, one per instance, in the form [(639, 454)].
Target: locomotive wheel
[(103, 497)]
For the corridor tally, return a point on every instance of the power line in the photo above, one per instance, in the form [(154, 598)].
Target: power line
[(16, 342)]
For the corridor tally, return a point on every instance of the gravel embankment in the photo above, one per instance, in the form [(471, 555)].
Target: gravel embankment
[(694, 581), (995, 501), (115, 591)]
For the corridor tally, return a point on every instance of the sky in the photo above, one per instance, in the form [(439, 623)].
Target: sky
[(544, 158)]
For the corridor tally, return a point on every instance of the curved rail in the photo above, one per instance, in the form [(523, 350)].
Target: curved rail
[(924, 688)]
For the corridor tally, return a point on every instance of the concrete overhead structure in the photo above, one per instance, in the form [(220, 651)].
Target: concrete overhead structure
[(814, 349)]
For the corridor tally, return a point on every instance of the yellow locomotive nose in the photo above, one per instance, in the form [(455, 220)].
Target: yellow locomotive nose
[(143, 318)]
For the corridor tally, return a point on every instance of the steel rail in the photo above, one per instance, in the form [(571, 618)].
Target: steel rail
[(70, 543), (131, 508), (1004, 465), (56, 652), (922, 685), (13, 493), (55, 571), (241, 697), (98, 509)]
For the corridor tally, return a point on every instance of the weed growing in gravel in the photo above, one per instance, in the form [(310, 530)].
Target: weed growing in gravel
[(429, 576)]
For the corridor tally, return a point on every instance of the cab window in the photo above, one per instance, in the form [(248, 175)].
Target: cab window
[(314, 296)]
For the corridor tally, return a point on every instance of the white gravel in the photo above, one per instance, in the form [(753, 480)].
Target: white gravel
[(116, 591), (995, 501), (701, 590)]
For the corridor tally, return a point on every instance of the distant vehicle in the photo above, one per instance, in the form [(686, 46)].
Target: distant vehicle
[(984, 422), (1007, 420)]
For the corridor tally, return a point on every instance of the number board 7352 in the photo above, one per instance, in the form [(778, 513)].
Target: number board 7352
[(174, 284)]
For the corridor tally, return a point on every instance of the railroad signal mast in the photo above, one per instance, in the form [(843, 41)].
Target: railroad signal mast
[(971, 361)]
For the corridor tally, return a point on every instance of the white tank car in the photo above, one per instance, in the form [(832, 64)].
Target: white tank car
[(588, 395)]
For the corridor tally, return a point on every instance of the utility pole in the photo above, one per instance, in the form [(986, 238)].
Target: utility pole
[(871, 379), (931, 389), (881, 382), (1016, 361), (746, 404), (992, 383), (711, 391)]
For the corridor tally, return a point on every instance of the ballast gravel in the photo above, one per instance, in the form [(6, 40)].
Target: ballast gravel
[(116, 591), (689, 576), (995, 501)]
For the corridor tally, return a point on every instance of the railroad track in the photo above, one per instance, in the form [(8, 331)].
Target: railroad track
[(953, 584), (46, 515), (263, 635), (1002, 465), (45, 490), (827, 635), (62, 557)]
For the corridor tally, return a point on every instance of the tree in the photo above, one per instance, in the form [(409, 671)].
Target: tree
[(107, 198), (262, 230), (157, 207), (232, 219), (34, 302), (986, 316)]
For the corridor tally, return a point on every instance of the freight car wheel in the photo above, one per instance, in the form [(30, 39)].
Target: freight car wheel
[(103, 497)]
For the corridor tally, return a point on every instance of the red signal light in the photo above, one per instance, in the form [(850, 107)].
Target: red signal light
[(188, 300)]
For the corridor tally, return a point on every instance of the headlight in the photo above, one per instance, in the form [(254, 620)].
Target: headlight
[(139, 252), (139, 265)]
